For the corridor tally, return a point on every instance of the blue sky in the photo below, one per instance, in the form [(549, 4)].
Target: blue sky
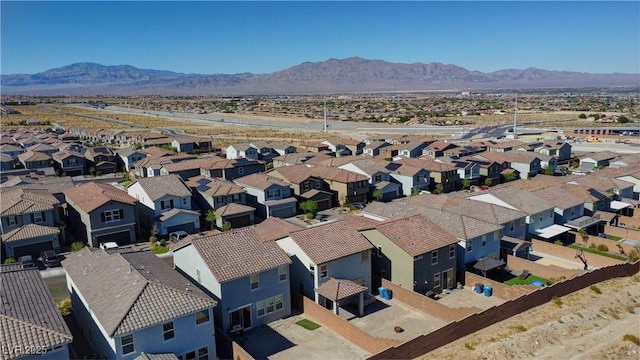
[(260, 37)]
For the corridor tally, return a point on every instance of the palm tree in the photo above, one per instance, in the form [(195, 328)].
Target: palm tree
[(377, 194), (211, 218)]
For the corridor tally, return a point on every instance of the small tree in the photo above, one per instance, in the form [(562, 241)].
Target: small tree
[(309, 207), (377, 194), (623, 119), (153, 233), (211, 218), (92, 171), (466, 183), (415, 191), (488, 182), (226, 226), (510, 176), (439, 189), (582, 116), (583, 234), (547, 170), (76, 246), (9, 260)]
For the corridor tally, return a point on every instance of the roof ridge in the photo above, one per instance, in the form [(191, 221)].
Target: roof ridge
[(130, 306)]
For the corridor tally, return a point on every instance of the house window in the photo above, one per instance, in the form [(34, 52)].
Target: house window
[(202, 317), (279, 305), (166, 204), (364, 256), (436, 280), (469, 246), (127, 344), (282, 272), (306, 186), (38, 217), (512, 226), (323, 271), (484, 240), (203, 353), (255, 281), (434, 257), (270, 305), (452, 251), (167, 331), (273, 193), (112, 215), (184, 201), (522, 221), (236, 198), (573, 210), (318, 184), (540, 217), (550, 214), (496, 235), (260, 306), (73, 162), (240, 171), (312, 270), (377, 178), (12, 220)]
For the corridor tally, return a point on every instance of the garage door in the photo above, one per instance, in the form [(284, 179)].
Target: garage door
[(283, 213), (323, 204), (33, 249), (189, 227), (240, 221), (122, 238)]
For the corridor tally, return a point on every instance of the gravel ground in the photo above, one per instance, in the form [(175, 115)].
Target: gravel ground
[(586, 325)]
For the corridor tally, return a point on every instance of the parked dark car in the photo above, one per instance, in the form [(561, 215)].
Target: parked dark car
[(26, 261), (49, 258)]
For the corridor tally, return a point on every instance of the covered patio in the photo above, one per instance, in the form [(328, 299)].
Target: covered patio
[(550, 232), (339, 291), (487, 264)]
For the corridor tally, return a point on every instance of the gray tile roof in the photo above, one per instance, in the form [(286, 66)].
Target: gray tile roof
[(159, 186), (53, 185), (131, 291), (261, 181), (167, 356), (238, 253), (29, 316), (330, 241), (29, 231), (233, 209), (91, 196), (33, 156), (339, 289), (522, 200), (558, 197), (416, 235), (176, 211), (22, 201), (214, 186)]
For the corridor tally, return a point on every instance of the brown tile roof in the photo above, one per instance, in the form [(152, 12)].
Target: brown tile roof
[(359, 223), (166, 356), (189, 164), (233, 209), (273, 229), (22, 201), (295, 158), (29, 231), (175, 211), (159, 186), (328, 242), (33, 156), (338, 175), (602, 155), (507, 144), (558, 197), (295, 174), (339, 289), (522, 200), (61, 155), (238, 253), (261, 181), (416, 235), (41, 147), (213, 186), (29, 316), (427, 164), (91, 196), (130, 291)]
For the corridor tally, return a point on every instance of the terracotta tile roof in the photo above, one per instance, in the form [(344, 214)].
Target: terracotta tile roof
[(338, 175), (229, 163), (602, 184), (233, 209), (22, 201), (91, 196), (33, 156), (95, 151), (189, 164), (261, 181), (159, 186), (61, 155), (42, 147), (295, 174), (339, 161), (507, 144), (522, 200), (426, 164), (29, 231), (416, 235), (238, 253), (319, 158), (370, 166), (273, 229), (130, 291), (161, 160), (29, 316), (602, 155), (331, 241), (339, 289), (359, 223)]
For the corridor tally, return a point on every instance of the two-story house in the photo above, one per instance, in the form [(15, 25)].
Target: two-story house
[(101, 159), (438, 149), (69, 163), (43, 148), (31, 325), (304, 185), (347, 186), (184, 144), (337, 147), (379, 177), (128, 157), (327, 257), (34, 160), (230, 169), (467, 170), (270, 196), (412, 179), (164, 202), (243, 150), (412, 149), (101, 213), (248, 277), (186, 168), (598, 159), (374, 148), (441, 174), (127, 304), (29, 222), (11, 150), (526, 163), (6, 162), (559, 149), (414, 253)]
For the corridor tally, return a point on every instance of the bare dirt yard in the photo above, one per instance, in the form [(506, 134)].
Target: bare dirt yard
[(588, 324)]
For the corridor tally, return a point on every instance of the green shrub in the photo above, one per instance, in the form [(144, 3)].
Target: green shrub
[(469, 346), (310, 216), (158, 249), (595, 289), (592, 246), (557, 301), (634, 339), (64, 307), (519, 328), (10, 260), (308, 324), (76, 246), (603, 247), (558, 242), (163, 242)]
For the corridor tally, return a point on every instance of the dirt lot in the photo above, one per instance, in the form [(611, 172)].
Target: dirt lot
[(582, 325)]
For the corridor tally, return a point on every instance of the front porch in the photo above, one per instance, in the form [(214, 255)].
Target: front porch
[(338, 292)]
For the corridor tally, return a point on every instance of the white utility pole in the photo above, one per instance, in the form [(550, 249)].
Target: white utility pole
[(324, 129)]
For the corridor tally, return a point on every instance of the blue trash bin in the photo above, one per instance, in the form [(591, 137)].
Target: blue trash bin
[(479, 288), (488, 290), (383, 292)]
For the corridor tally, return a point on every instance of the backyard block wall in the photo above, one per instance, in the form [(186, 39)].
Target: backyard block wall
[(352, 333), (472, 323), (570, 254), (622, 232), (630, 221), (426, 305), (227, 348), (544, 271), (499, 289)]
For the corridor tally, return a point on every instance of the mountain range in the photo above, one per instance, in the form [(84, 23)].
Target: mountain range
[(353, 74)]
